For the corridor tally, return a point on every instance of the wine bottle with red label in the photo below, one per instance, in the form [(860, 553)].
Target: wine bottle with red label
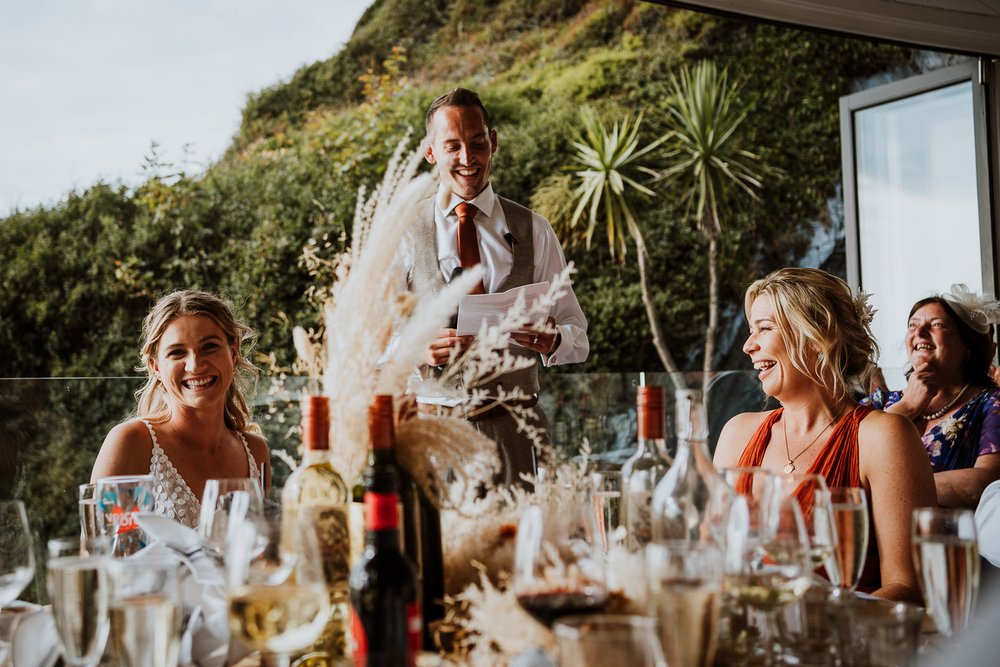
[(386, 621)]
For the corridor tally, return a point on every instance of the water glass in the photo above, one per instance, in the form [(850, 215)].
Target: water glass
[(606, 500), (119, 499), (146, 611), (78, 589), (816, 505), (685, 580), (946, 556), (17, 554), (600, 640), (875, 633), (90, 520)]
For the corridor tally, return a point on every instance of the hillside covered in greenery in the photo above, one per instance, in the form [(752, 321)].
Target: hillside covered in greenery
[(78, 278)]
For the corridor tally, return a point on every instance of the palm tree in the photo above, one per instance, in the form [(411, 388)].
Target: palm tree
[(707, 161), (612, 165)]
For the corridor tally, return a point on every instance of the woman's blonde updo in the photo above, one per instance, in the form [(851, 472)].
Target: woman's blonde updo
[(826, 329), (151, 402)]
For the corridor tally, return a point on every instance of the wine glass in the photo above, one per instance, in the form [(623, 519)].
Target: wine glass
[(685, 580), (146, 610), (558, 565), (278, 598), (850, 516), (78, 589), (606, 501), (225, 505), (17, 554), (90, 522), (946, 555), (767, 559), (608, 639), (816, 505)]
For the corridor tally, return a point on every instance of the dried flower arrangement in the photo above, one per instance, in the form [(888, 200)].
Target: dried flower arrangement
[(374, 334)]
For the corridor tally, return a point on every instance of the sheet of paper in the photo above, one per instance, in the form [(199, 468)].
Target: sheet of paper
[(476, 308)]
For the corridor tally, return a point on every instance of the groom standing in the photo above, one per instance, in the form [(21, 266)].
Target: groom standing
[(467, 224)]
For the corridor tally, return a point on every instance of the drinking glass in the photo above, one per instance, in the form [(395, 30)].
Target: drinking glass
[(946, 555), (685, 580), (767, 561), (600, 640), (606, 501), (558, 563), (850, 516), (278, 599), (17, 556), (78, 589), (226, 504), (119, 499), (90, 522), (146, 610), (816, 505)]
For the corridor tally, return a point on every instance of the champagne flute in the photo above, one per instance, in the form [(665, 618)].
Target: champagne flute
[(78, 589), (767, 561), (558, 567), (850, 515), (816, 505), (146, 610), (946, 555), (606, 500), (685, 580), (90, 521), (278, 599), (17, 554), (226, 504)]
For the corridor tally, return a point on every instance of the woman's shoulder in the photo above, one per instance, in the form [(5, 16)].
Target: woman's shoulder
[(129, 432), (736, 434), (126, 450), (886, 434), (256, 443)]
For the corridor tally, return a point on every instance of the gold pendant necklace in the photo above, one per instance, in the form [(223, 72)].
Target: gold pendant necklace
[(789, 466)]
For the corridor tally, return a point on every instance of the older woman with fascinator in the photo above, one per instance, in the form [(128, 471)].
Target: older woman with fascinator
[(811, 344), (192, 422), (950, 395)]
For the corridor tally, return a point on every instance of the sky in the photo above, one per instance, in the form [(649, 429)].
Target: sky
[(86, 86)]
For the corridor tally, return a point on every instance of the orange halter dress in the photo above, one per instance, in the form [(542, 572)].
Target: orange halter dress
[(838, 462)]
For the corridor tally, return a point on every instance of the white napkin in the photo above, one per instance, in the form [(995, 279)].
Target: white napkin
[(30, 634), (206, 641)]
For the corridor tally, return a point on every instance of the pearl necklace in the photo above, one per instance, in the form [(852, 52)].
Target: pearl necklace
[(951, 403), (789, 466)]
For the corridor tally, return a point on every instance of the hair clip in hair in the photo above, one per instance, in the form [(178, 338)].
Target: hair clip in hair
[(977, 310), (864, 309)]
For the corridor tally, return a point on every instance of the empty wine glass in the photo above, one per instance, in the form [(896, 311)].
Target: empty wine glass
[(558, 563), (816, 505), (17, 554), (226, 504), (850, 515), (146, 610), (78, 589), (946, 555), (278, 598), (767, 562)]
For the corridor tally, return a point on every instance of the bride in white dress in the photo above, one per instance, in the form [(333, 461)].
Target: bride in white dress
[(192, 422)]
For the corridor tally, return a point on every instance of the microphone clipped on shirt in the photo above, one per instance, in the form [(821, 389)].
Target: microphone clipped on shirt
[(511, 241)]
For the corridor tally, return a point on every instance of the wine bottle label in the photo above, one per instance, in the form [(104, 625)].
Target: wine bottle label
[(381, 511), (359, 640), (333, 531), (414, 629)]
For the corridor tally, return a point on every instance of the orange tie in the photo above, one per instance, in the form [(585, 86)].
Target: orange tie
[(468, 240)]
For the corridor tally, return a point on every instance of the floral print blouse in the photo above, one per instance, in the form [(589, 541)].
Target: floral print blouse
[(955, 443)]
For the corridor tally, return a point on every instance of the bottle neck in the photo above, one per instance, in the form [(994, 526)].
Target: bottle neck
[(314, 456)]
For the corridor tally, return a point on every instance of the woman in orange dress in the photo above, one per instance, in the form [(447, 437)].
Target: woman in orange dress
[(811, 345)]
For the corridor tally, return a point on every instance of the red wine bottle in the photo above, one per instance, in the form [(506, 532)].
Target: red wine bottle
[(385, 593)]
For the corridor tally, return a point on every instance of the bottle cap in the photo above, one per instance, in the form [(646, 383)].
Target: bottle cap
[(381, 422), (649, 411), (316, 422)]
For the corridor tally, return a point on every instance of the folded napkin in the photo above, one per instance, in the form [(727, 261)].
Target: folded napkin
[(28, 636), (206, 641)]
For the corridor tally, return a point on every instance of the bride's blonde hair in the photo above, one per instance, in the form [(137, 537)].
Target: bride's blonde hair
[(826, 329), (151, 403)]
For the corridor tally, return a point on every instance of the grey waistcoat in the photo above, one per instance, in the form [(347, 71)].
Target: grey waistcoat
[(426, 274)]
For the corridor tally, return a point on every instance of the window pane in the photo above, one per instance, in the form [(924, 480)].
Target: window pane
[(918, 212)]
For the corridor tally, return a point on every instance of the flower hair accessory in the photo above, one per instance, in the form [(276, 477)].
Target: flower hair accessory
[(864, 309), (977, 310)]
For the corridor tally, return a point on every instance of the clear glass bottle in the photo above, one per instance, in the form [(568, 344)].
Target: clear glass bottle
[(316, 484), (692, 500), (642, 471)]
